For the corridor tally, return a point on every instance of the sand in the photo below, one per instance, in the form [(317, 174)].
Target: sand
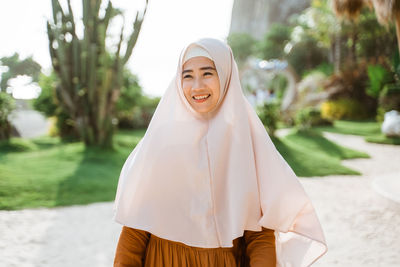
[(362, 227)]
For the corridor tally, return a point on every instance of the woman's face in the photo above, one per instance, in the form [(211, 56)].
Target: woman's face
[(200, 83)]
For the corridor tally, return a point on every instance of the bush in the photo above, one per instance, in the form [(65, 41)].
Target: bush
[(344, 108), (273, 44), (310, 116), (7, 105), (242, 45), (306, 55), (47, 102), (378, 77), (138, 116), (269, 115), (389, 99)]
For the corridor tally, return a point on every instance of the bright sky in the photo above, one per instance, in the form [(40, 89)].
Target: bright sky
[(169, 25)]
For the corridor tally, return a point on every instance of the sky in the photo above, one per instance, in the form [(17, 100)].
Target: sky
[(167, 28)]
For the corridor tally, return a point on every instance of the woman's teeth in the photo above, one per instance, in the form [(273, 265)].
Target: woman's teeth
[(201, 97)]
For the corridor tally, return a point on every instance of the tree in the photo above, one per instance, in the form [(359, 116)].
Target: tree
[(386, 11), (90, 76), (16, 67)]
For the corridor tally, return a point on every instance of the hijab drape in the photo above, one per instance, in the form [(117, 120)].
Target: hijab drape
[(204, 179)]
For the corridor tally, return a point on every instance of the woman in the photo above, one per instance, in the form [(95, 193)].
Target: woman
[(206, 186)]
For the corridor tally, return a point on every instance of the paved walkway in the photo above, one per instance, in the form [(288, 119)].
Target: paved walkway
[(361, 226)]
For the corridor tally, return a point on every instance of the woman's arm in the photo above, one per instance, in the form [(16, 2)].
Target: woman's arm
[(260, 248), (131, 248)]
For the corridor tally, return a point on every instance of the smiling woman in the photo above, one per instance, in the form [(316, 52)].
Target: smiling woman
[(200, 81), (206, 185)]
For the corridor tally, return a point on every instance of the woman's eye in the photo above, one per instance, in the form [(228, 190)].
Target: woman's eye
[(207, 73), (187, 76)]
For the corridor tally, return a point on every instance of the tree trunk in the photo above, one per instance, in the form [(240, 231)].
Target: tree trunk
[(397, 22), (337, 52)]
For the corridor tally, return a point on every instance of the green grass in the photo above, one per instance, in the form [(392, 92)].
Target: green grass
[(370, 130), (311, 154), (46, 172)]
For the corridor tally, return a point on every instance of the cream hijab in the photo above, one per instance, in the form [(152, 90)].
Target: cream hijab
[(203, 180)]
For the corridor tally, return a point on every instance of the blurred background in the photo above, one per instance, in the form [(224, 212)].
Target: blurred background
[(80, 81)]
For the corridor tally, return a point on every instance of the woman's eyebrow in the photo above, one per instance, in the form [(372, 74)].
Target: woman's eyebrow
[(202, 68), (207, 68), (184, 71)]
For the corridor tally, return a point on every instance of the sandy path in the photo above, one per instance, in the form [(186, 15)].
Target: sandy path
[(362, 228)]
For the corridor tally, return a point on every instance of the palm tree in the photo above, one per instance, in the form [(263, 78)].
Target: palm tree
[(385, 10)]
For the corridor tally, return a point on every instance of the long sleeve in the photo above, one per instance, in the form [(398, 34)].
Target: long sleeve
[(131, 248), (260, 248)]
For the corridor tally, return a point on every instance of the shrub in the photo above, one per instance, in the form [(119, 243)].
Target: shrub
[(306, 54), (269, 115), (344, 108), (7, 105), (274, 41), (242, 45), (310, 116), (351, 84), (46, 102), (138, 116), (378, 77), (389, 99)]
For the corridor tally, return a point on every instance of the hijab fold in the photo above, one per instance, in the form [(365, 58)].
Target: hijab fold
[(204, 179)]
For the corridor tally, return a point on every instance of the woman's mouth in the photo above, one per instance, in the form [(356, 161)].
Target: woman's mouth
[(201, 98)]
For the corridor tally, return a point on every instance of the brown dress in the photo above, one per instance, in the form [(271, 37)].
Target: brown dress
[(137, 248)]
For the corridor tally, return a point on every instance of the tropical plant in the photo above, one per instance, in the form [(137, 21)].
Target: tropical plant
[(269, 115), (90, 76), (378, 77), (7, 105), (386, 11)]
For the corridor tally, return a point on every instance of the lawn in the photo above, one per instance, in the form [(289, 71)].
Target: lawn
[(371, 130), (311, 154), (45, 172)]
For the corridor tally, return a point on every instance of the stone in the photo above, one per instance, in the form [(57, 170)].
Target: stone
[(391, 124)]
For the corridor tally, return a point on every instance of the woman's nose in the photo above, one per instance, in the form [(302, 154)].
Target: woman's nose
[(198, 84)]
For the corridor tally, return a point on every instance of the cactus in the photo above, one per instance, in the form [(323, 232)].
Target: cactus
[(90, 76)]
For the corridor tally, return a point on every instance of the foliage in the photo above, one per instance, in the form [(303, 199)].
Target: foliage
[(306, 54), (273, 44), (242, 45), (277, 85), (373, 40), (389, 99), (138, 116), (351, 83), (344, 108), (7, 105), (90, 76), (310, 116), (378, 76), (133, 108), (269, 115), (324, 68), (47, 102), (16, 67)]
